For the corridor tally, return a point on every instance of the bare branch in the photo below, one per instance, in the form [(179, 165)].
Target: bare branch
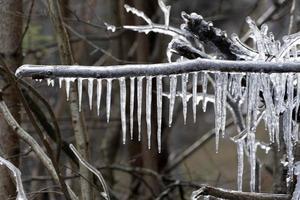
[(93, 170), (236, 195), (17, 174)]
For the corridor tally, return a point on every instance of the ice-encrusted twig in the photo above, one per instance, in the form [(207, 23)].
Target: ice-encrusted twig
[(166, 10), (17, 175), (236, 195), (93, 170), (117, 71), (138, 13)]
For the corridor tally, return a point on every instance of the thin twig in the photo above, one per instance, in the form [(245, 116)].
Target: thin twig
[(93, 170)]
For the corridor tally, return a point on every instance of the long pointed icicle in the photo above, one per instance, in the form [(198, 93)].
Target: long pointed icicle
[(132, 91), (79, 88), (108, 98), (287, 127), (90, 91), (195, 84), (140, 104), (240, 155), (173, 87), (123, 106), (159, 110), (148, 108), (99, 93), (68, 82), (204, 90), (184, 80)]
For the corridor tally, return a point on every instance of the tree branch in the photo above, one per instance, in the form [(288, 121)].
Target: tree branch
[(116, 71)]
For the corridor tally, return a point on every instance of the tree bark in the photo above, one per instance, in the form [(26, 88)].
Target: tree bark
[(10, 53)]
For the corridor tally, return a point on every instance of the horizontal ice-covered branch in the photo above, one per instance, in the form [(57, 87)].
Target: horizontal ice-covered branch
[(117, 71)]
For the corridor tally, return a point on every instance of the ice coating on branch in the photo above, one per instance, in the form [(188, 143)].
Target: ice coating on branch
[(159, 90), (99, 93), (123, 106), (138, 13), (195, 84), (184, 80), (110, 27), (148, 108), (108, 99), (132, 92), (90, 91), (173, 87), (166, 10)]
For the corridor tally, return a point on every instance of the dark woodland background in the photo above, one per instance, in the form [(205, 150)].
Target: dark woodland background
[(27, 35)]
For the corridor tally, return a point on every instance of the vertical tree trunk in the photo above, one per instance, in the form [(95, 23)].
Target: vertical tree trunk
[(10, 54)]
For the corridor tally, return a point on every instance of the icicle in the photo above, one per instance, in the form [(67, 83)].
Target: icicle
[(159, 110), (195, 84), (99, 93), (90, 91), (184, 80), (79, 87), (240, 154), (173, 87), (108, 98), (296, 193), (50, 82), (271, 118), (148, 108), (123, 106), (287, 127), (252, 158), (67, 81), (60, 80), (132, 91), (220, 104), (140, 104), (204, 90)]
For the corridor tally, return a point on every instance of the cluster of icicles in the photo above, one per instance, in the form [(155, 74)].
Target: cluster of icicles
[(263, 96)]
